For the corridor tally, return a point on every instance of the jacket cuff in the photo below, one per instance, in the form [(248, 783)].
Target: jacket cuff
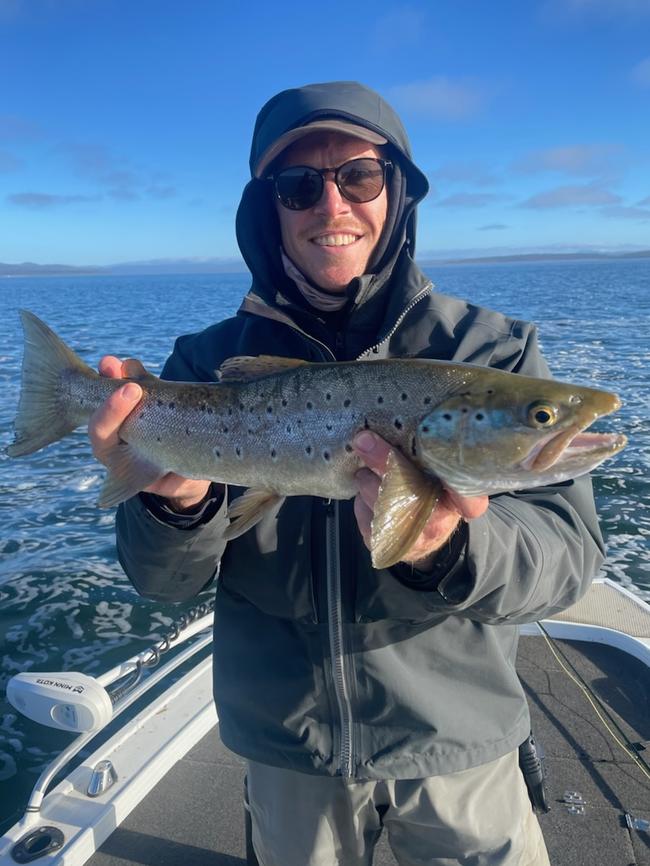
[(448, 564), (201, 513)]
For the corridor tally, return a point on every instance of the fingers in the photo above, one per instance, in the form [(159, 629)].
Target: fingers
[(373, 450), (111, 367), (106, 421)]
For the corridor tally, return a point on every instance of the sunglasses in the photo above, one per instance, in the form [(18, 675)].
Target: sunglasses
[(359, 180)]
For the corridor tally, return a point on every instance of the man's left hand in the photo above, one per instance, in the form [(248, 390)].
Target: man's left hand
[(448, 513)]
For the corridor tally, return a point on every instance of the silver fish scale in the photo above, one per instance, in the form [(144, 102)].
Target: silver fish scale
[(287, 432)]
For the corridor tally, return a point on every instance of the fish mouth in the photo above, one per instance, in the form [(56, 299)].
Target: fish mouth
[(573, 446)]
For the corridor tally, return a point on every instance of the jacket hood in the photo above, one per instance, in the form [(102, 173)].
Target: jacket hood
[(257, 225)]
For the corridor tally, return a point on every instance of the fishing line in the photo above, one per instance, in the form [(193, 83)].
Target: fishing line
[(603, 714)]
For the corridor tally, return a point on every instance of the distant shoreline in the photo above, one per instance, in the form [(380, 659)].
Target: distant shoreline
[(183, 267)]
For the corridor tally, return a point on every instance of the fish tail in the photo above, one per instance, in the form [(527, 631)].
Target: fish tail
[(44, 416)]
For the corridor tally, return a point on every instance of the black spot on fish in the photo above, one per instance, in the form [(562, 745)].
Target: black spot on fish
[(298, 420), (241, 407), (269, 409), (172, 405), (225, 429), (217, 453), (425, 429), (187, 431), (479, 416), (447, 416), (426, 401), (404, 396), (310, 405), (230, 410), (273, 453), (349, 448), (328, 396), (326, 455), (284, 402), (308, 449), (347, 402), (329, 427), (289, 428), (158, 439), (380, 400), (414, 450), (159, 402), (238, 451), (250, 431), (210, 410), (398, 424), (366, 425), (81, 401), (464, 410), (489, 391)]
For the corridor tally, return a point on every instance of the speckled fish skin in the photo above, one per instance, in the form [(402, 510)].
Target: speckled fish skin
[(289, 431)]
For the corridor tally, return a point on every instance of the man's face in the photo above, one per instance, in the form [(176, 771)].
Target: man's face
[(331, 242)]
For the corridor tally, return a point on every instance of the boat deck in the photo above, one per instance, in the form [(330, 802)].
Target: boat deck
[(195, 814)]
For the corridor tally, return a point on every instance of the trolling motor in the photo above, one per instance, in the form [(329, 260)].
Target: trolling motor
[(69, 701)]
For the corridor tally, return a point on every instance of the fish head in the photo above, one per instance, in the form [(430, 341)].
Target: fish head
[(506, 432)]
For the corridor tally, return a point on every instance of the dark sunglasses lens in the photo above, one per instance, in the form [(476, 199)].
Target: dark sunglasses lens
[(361, 180), (299, 188)]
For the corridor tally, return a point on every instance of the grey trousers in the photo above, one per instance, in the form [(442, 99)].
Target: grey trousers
[(478, 817)]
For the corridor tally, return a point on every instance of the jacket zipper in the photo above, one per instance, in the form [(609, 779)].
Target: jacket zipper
[(337, 644), (416, 300), (333, 579)]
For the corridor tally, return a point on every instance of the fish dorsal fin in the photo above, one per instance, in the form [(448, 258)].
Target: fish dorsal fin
[(134, 369), (244, 368), (405, 502)]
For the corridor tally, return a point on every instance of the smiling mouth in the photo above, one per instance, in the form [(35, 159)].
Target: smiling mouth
[(573, 444), (335, 240)]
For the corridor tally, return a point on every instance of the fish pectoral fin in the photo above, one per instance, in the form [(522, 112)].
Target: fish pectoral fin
[(245, 368), (405, 502), (128, 474), (248, 509), (134, 369)]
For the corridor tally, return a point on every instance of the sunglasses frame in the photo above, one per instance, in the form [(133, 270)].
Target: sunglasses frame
[(383, 163)]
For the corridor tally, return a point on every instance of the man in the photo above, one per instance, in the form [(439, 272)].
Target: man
[(361, 698)]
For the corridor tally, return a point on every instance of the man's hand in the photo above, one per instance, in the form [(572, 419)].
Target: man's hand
[(103, 429), (450, 510)]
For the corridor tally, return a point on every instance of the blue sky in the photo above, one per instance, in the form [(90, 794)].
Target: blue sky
[(125, 124)]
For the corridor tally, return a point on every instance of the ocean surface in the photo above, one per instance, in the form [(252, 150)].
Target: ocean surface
[(65, 603)]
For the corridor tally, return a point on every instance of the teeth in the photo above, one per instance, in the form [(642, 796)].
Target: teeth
[(335, 240)]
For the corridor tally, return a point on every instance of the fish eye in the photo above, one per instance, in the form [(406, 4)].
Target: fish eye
[(542, 414)]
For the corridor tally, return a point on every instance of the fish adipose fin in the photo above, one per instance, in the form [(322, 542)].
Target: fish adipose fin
[(134, 369), (128, 474), (248, 509), (247, 368), (41, 417), (404, 504)]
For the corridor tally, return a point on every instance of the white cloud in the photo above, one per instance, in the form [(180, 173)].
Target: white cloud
[(590, 160), (440, 97), (571, 196), (42, 200), (628, 213)]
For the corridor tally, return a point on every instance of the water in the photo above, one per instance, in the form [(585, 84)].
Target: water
[(65, 603)]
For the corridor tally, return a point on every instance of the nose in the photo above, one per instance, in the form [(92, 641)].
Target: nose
[(331, 202)]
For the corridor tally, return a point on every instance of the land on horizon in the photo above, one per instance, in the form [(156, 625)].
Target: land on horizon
[(234, 265)]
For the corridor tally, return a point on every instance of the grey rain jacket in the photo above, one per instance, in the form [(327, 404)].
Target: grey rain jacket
[(323, 664)]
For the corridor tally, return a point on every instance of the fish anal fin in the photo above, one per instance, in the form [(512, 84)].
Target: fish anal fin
[(405, 502), (246, 368), (248, 509), (128, 474)]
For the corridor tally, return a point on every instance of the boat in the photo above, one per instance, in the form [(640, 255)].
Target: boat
[(147, 781)]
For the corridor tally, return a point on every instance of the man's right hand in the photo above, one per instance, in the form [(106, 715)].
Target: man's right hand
[(103, 429)]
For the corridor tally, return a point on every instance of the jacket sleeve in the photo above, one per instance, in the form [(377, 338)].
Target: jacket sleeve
[(533, 553), (170, 558)]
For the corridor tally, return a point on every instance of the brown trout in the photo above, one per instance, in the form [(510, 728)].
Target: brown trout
[(282, 427)]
